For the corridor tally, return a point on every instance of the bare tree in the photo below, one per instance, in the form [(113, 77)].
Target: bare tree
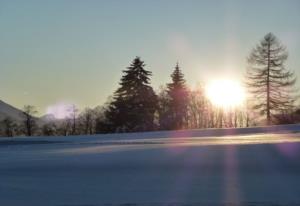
[(268, 80), (87, 120), (163, 109), (10, 127), (197, 107), (29, 120), (49, 129), (64, 127), (73, 115)]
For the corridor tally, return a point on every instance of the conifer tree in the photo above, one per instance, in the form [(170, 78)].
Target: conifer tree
[(134, 102), (178, 104), (268, 80)]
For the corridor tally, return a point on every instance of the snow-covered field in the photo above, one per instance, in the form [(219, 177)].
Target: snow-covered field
[(257, 166)]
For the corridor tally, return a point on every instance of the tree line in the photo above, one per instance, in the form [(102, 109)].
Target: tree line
[(136, 107)]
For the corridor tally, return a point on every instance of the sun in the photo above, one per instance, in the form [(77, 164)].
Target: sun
[(225, 93)]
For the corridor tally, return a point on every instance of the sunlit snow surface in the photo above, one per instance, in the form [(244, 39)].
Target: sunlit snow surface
[(136, 169)]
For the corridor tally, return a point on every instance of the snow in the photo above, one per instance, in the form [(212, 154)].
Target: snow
[(255, 166), (7, 110)]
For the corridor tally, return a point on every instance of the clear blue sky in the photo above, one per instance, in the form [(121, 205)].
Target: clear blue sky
[(52, 51)]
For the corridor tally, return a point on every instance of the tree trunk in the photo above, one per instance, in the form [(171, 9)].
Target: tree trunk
[(268, 87)]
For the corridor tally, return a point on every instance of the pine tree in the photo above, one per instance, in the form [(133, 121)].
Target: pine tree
[(269, 82), (134, 102), (178, 105)]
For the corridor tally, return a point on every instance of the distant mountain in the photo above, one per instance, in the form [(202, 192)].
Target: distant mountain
[(47, 118), (7, 110), (17, 116), (14, 113), (50, 118)]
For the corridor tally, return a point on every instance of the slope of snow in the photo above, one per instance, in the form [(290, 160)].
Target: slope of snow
[(135, 169), (16, 114), (7, 110)]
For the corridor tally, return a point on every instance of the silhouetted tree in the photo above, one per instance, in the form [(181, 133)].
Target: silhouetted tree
[(87, 120), (49, 129), (268, 80), (164, 114), (134, 102), (73, 116), (9, 127), (29, 122), (65, 127), (198, 108), (102, 124), (178, 103)]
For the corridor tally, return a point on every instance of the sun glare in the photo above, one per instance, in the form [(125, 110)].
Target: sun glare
[(225, 93), (59, 110)]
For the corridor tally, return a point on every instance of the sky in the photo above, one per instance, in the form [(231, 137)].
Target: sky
[(74, 51)]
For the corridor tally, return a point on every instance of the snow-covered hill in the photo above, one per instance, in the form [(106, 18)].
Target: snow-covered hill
[(7, 110)]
